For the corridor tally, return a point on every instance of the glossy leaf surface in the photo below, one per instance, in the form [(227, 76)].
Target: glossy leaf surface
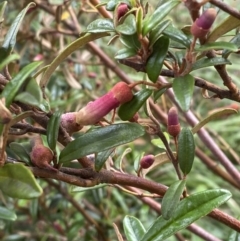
[(15, 84), (156, 59), (213, 116), (101, 158), (183, 87), (5, 60), (186, 150), (177, 35), (206, 62), (20, 151), (129, 109), (129, 26), (10, 38), (101, 139), (172, 198), (235, 40), (159, 14), (217, 45), (17, 181), (101, 26), (53, 129), (7, 214), (125, 53), (133, 228), (130, 41), (189, 210)]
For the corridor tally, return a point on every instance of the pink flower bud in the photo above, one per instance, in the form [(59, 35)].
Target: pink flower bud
[(41, 156), (173, 125), (68, 121), (202, 25), (122, 10), (135, 118), (147, 161), (94, 111)]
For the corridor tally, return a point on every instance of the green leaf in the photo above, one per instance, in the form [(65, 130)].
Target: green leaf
[(234, 236), (186, 150), (3, 6), (139, 20), (159, 14), (7, 214), (20, 151), (156, 33), (17, 181), (157, 94), (129, 109), (183, 87), (189, 210), (10, 38), (133, 228), (129, 26), (34, 89), (156, 59), (111, 4), (217, 45), (235, 40), (227, 25), (206, 62), (125, 53), (158, 142), (15, 84), (83, 189), (172, 198), (215, 115), (130, 41), (5, 60), (101, 26), (101, 158), (101, 139), (66, 52), (53, 129), (27, 98), (56, 2), (177, 35)]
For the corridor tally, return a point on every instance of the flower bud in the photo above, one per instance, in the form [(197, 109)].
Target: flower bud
[(41, 156), (122, 9), (68, 121), (202, 25), (94, 111), (173, 125), (135, 118), (146, 161)]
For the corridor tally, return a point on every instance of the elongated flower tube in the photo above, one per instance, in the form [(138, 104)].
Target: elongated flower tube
[(173, 125), (68, 121), (202, 25), (94, 111), (41, 156)]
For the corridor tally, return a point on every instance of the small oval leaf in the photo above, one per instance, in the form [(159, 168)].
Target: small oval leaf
[(183, 87), (53, 129), (217, 45), (130, 41), (213, 116), (7, 214), (17, 181), (156, 59), (206, 62), (159, 14), (101, 158), (172, 198), (129, 109), (189, 210), (20, 151), (235, 40), (101, 26), (133, 228), (101, 139), (125, 53), (186, 150), (129, 26)]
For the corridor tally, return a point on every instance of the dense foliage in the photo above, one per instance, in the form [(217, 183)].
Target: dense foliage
[(118, 120)]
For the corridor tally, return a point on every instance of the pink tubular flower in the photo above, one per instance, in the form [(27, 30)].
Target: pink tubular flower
[(68, 121), (146, 161), (94, 111), (173, 125), (202, 25)]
